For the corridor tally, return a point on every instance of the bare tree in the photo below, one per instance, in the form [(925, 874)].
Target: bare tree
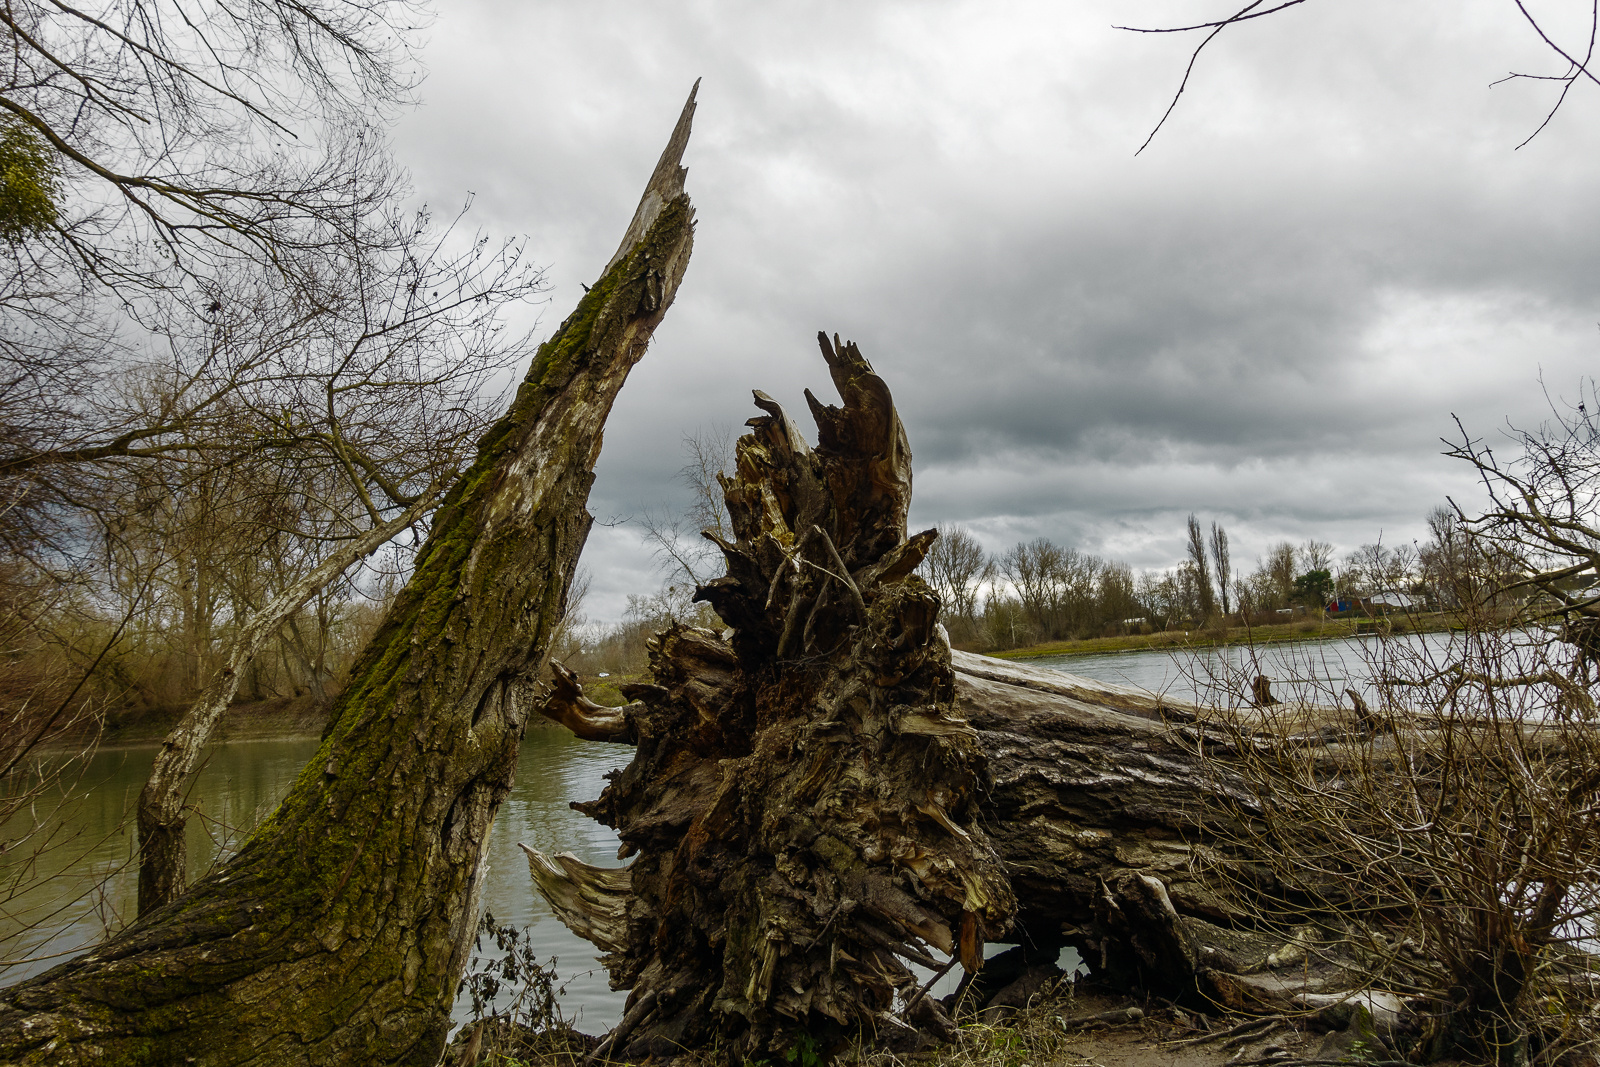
[(306, 421), (1454, 840), (1223, 564), (1539, 541), (1201, 570), (1454, 571), (213, 130), (1162, 598), (956, 567), (677, 536), (1116, 595), (1314, 555), (157, 153), (1278, 573), (337, 934), (1056, 586), (1376, 568), (362, 412)]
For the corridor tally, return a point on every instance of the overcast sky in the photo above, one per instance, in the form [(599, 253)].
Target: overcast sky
[(1268, 318)]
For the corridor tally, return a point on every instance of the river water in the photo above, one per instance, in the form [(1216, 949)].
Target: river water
[(1315, 672), (86, 884)]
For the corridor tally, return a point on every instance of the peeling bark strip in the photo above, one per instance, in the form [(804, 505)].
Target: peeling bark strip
[(803, 798), (337, 935)]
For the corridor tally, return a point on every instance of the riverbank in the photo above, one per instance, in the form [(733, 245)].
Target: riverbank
[(1311, 629), (284, 719)]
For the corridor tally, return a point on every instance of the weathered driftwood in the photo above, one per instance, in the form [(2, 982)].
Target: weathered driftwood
[(337, 934), (1107, 816)]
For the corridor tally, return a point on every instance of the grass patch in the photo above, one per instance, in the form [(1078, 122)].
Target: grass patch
[(1308, 629)]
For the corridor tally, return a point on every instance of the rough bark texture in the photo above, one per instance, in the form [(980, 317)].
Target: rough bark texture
[(803, 798), (1106, 815), (337, 934)]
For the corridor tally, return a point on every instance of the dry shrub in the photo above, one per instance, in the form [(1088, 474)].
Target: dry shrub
[(1449, 839)]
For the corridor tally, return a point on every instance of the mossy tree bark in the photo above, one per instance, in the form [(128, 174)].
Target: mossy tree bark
[(803, 797), (337, 934)]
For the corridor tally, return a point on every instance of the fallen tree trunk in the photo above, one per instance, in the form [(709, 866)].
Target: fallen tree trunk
[(1094, 797), (337, 934), (1132, 828), (1113, 810)]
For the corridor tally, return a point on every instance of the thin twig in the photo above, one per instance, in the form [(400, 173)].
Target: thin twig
[(844, 572), (1217, 1035), (916, 997)]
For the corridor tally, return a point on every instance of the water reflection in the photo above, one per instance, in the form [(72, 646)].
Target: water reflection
[(86, 883), (63, 897)]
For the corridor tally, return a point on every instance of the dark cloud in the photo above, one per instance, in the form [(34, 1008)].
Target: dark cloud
[(1269, 317)]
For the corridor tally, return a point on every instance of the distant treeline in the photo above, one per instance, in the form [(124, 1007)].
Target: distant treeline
[(1039, 591)]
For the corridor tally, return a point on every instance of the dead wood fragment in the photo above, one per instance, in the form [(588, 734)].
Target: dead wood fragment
[(566, 704), (1261, 692), (1114, 1017), (591, 901)]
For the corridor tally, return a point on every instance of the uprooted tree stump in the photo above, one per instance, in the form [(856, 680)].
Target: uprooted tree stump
[(803, 799)]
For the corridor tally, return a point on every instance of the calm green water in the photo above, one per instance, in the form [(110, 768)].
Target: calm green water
[(85, 884)]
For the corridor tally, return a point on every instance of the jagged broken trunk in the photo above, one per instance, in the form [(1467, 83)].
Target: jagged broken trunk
[(802, 799)]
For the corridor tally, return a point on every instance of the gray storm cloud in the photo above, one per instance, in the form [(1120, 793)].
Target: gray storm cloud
[(1269, 317)]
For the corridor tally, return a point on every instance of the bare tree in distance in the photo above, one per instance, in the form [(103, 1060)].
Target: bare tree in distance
[(1578, 56), (1202, 570), (676, 536), (1454, 570), (1377, 568), (1314, 555), (956, 566), (1223, 563)]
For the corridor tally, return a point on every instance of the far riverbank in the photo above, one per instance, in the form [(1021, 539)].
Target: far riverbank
[(1308, 629)]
